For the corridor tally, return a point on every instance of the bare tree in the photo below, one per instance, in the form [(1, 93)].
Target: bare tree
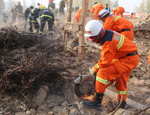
[(116, 4), (148, 6), (77, 3), (33, 3), (141, 8), (24, 4), (2, 5)]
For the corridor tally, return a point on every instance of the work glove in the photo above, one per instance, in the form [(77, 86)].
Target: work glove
[(92, 71)]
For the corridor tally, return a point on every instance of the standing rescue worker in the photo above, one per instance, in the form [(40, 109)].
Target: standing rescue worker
[(114, 45), (96, 9), (117, 23), (61, 7), (5, 16), (46, 15), (119, 11), (32, 18), (51, 4), (78, 14), (26, 14), (19, 11), (13, 14)]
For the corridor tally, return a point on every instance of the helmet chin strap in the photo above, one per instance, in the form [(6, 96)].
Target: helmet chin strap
[(98, 38)]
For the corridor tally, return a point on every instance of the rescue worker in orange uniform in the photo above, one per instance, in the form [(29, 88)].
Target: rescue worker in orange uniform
[(96, 9), (114, 45), (119, 11), (116, 23), (78, 13)]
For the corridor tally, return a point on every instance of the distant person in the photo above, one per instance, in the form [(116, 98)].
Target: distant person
[(26, 14), (61, 7), (13, 14), (5, 16), (51, 4), (119, 11), (19, 11), (78, 14), (38, 4), (117, 23), (97, 7), (108, 9)]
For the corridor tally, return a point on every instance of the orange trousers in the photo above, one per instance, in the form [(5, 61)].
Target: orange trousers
[(128, 34), (118, 71)]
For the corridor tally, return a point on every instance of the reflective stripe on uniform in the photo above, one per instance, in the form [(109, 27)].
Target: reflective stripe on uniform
[(104, 81), (115, 59), (97, 66), (33, 21), (32, 11), (50, 31), (29, 20), (4, 18), (46, 16), (121, 41), (40, 32), (116, 18), (122, 92), (91, 14)]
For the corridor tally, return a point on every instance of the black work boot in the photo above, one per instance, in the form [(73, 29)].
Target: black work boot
[(94, 103)]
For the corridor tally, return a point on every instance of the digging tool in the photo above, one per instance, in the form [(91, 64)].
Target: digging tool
[(84, 87)]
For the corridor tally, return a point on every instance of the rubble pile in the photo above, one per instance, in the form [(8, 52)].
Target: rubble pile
[(27, 60), (141, 26), (142, 41)]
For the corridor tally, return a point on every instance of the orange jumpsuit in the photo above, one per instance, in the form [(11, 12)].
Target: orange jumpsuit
[(97, 8), (120, 25), (119, 11), (115, 46), (78, 13)]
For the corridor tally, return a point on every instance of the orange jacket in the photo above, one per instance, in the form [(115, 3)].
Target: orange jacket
[(118, 10), (97, 8), (117, 23), (114, 46), (78, 13)]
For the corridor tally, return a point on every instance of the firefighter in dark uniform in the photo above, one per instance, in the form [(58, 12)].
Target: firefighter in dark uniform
[(46, 15), (5, 16), (32, 18), (26, 14)]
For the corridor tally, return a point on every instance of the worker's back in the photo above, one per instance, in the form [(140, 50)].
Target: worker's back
[(120, 25), (96, 9)]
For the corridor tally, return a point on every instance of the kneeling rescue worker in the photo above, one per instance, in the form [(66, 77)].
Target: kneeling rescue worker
[(114, 45), (116, 23), (46, 15)]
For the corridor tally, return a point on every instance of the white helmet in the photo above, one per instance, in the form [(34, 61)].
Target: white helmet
[(102, 13), (94, 29)]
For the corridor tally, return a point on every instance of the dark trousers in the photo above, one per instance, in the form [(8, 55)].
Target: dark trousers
[(36, 25), (30, 27), (50, 25)]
